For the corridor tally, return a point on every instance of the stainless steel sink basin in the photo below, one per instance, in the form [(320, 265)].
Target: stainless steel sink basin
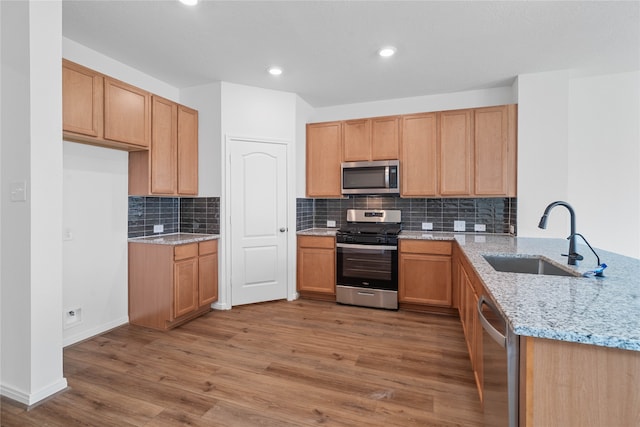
[(528, 265)]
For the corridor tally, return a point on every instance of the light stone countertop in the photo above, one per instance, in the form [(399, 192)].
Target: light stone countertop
[(599, 311), (174, 238), (330, 232)]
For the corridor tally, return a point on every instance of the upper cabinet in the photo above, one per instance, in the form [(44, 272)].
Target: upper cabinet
[(127, 113), (187, 150), (170, 166), (82, 100), (456, 152), (371, 139), (103, 111), (495, 151), (324, 157), (418, 156)]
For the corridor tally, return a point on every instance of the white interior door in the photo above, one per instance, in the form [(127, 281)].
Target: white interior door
[(258, 201)]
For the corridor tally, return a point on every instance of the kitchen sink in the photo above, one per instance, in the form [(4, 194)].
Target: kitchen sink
[(528, 264)]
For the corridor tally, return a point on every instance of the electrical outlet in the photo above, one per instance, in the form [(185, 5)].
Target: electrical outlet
[(480, 227), (427, 226), (158, 228), (331, 223), (72, 317), (459, 225)]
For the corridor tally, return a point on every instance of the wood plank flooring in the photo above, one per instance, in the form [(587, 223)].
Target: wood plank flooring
[(299, 363)]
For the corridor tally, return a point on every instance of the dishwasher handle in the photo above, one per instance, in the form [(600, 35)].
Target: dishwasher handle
[(493, 332)]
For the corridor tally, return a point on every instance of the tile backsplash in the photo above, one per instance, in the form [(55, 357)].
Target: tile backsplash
[(176, 214), (498, 215)]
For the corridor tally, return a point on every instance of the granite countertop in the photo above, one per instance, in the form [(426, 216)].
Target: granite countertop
[(174, 238), (599, 311), (331, 232)]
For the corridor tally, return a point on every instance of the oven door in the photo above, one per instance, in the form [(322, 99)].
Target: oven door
[(367, 266)]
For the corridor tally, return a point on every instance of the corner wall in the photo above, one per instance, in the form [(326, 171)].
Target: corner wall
[(578, 142)]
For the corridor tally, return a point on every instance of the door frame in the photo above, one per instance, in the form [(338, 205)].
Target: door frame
[(224, 292)]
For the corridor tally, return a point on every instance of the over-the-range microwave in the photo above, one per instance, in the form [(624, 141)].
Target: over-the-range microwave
[(377, 177)]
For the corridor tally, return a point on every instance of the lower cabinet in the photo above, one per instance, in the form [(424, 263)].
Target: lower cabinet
[(469, 290), (169, 285), (424, 275), (316, 275)]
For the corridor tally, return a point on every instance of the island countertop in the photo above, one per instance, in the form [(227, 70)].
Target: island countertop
[(599, 311)]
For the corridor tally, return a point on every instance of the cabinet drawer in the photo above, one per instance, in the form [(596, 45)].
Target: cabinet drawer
[(185, 251), (316, 242), (425, 247), (208, 247)]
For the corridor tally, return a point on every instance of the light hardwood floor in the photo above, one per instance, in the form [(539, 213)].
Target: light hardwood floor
[(280, 363)]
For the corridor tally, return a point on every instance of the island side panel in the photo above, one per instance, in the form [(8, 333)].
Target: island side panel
[(150, 284), (571, 384)]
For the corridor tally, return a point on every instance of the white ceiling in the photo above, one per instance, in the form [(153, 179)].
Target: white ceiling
[(328, 48)]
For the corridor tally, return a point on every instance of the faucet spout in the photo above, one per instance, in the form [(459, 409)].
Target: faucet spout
[(573, 256)]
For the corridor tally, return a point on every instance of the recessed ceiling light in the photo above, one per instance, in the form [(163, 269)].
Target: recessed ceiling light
[(189, 2), (275, 71), (387, 51)]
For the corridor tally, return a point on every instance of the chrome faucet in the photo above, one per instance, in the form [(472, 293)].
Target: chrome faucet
[(573, 256)]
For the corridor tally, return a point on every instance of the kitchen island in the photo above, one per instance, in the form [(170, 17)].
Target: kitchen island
[(580, 336)]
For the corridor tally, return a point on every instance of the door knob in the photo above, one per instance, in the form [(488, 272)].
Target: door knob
[(282, 229)]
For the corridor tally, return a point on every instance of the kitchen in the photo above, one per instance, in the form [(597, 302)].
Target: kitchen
[(552, 107)]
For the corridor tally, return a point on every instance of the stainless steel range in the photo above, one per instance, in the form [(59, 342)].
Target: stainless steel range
[(367, 258)]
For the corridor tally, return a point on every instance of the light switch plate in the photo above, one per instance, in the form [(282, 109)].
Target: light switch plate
[(158, 228), (331, 223), (427, 226), (459, 225), (480, 227)]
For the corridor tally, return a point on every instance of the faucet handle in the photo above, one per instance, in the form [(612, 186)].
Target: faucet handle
[(574, 257)]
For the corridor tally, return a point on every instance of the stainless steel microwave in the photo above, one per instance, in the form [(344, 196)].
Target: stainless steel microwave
[(377, 177)]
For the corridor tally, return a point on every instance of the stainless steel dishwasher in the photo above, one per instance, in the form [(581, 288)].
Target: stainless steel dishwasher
[(500, 361)]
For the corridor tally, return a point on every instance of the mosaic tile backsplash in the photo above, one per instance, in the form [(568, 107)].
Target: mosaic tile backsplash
[(176, 214), (498, 215)]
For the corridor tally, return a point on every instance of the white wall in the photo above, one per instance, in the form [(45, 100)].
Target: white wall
[(543, 172), (31, 244), (417, 104), (578, 141), (604, 159), (304, 112), (206, 99), (95, 211), (95, 254)]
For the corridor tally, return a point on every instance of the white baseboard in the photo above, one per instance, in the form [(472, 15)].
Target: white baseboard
[(94, 331), (30, 399)]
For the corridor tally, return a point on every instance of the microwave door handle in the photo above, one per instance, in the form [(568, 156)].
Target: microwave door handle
[(386, 176)]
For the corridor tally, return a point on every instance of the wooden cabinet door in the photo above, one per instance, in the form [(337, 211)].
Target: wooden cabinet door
[(316, 264), (127, 113), (187, 151), (82, 100), (324, 157), (208, 273), (385, 138), (495, 145), (456, 152), (425, 279), (185, 291), (163, 146), (356, 140), (418, 156)]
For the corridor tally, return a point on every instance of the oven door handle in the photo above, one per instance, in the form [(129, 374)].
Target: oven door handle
[(372, 247)]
